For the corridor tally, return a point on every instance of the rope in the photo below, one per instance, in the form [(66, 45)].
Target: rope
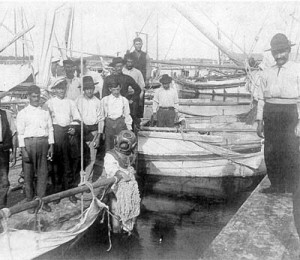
[(5, 213)]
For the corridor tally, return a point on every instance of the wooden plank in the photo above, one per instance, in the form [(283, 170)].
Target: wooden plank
[(263, 228)]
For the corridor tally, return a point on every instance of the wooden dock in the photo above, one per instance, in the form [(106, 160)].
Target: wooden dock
[(263, 228)]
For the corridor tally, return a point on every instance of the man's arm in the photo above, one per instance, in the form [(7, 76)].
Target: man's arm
[(137, 90), (148, 69), (105, 89), (128, 119)]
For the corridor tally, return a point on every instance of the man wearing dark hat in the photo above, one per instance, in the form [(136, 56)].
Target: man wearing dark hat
[(89, 108), (63, 112), (73, 83), (95, 75), (165, 103), (35, 134), (141, 59), (129, 88), (7, 142), (278, 117)]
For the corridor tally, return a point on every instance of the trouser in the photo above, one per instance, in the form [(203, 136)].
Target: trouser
[(4, 182), (61, 162), (134, 113), (166, 117), (281, 145), (140, 113), (113, 128), (35, 170), (93, 153)]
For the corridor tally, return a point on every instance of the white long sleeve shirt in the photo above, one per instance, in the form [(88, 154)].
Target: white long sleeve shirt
[(90, 110), (115, 107), (62, 111), (34, 122), (279, 86), (165, 98)]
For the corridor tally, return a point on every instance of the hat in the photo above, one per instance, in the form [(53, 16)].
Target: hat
[(116, 61), (280, 42), (165, 79), (137, 39), (59, 83), (55, 59), (128, 56), (34, 89), (68, 62), (88, 82)]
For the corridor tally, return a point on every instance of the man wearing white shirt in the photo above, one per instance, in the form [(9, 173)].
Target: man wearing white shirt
[(115, 115), (165, 103), (35, 134), (89, 108), (63, 112)]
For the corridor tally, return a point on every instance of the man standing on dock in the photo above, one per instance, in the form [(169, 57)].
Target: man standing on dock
[(7, 142), (35, 134), (278, 116), (73, 86)]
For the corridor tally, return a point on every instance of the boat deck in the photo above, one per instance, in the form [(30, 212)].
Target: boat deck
[(263, 228)]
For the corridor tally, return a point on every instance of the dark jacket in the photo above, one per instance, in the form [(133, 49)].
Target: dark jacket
[(6, 132)]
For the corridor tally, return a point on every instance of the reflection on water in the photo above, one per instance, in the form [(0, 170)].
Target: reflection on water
[(168, 228)]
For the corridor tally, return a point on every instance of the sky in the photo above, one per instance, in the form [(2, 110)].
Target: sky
[(108, 27)]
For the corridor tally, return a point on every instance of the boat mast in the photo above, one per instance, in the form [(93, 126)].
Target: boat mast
[(219, 38), (15, 23), (157, 37), (237, 60)]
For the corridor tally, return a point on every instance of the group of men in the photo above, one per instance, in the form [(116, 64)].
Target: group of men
[(49, 134)]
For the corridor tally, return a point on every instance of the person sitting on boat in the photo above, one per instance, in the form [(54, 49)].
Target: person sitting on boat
[(165, 103), (63, 112), (115, 114), (89, 108), (36, 139), (124, 200)]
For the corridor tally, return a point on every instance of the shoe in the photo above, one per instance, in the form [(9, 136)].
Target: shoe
[(55, 202), (31, 211), (73, 199), (46, 207)]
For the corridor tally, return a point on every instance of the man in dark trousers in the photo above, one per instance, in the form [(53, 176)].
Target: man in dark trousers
[(279, 121), (129, 88), (141, 61), (7, 142), (35, 134)]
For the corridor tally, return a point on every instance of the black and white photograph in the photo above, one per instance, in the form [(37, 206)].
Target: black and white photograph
[(150, 130)]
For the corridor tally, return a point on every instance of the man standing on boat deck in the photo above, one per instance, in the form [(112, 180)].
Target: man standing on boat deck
[(73, 83), (7, 142), (89, 108), (165, 103), (129, 88), (138, 77), (141, 61), (63, 112), (115, 115), (35, 134)]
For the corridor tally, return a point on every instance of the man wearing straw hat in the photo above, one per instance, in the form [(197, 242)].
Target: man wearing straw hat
[(89, 108), (63, 112)]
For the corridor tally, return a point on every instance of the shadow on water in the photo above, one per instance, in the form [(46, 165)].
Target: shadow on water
[(167, 228)]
